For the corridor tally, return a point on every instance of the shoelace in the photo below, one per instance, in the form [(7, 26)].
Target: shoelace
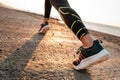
[(80, 58), (79, 50), (80, 55)]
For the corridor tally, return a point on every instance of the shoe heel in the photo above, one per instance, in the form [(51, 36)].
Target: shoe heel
[(100, 57)]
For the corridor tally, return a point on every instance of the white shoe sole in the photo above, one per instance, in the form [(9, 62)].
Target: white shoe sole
[(44, 29), (90, 61)]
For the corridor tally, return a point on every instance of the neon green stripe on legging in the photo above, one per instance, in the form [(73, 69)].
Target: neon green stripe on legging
[(76, 16), (62, 11), (74, 23), (78, 31)]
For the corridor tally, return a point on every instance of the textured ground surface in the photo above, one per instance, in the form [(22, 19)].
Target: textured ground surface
[(26, 55)]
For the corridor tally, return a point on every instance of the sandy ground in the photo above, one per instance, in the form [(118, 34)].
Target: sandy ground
[(26, 55)]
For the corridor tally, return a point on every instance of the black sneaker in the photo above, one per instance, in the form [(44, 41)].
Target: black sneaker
[(90, 56), (44, 28)]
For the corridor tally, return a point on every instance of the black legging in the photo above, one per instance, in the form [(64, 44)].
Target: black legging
[(70, 17)]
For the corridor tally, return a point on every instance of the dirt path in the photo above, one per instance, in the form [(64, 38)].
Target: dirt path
[(26, 55)]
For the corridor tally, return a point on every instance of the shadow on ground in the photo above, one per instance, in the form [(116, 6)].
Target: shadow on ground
[(82, 75), (13, 67)]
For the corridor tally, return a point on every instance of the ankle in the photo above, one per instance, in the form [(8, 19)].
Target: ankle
[(45, 20), (87, 41), (87, 45)]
